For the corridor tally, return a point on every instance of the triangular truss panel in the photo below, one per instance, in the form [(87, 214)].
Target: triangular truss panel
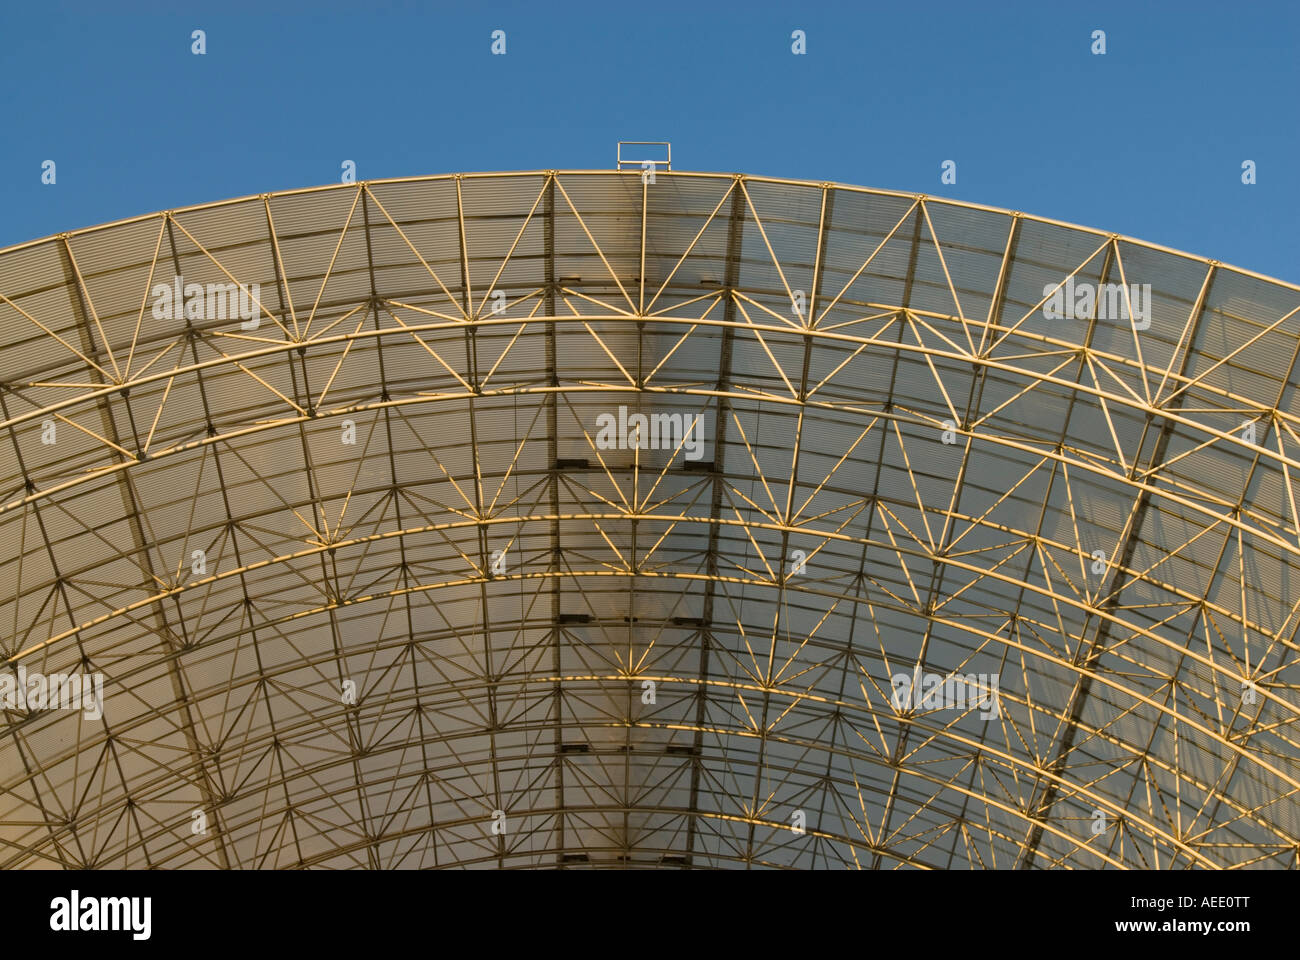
[(593, 519)]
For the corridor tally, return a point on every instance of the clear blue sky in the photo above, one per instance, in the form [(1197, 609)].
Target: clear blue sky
[(1147, 140)]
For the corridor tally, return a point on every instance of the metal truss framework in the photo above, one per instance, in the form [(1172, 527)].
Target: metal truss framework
[(634, 656)]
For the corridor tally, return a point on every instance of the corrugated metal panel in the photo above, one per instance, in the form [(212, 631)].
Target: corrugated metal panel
[(456, 517)]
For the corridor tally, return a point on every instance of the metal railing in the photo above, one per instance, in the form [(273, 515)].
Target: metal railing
[(640, 162)]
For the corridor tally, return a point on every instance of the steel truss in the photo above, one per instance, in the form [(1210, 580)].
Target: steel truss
[(618, 649)]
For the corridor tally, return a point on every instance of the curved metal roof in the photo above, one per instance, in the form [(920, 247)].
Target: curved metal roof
[(1076, 533)]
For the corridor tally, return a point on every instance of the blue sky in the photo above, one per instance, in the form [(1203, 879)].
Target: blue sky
[(1147, 140)]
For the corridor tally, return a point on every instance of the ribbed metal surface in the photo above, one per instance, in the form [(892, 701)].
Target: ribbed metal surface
[(826, 336)]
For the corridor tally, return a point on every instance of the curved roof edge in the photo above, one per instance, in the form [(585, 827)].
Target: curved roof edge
[(853, 188)]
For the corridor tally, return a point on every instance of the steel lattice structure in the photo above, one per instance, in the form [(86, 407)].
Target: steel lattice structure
[(905, 464)]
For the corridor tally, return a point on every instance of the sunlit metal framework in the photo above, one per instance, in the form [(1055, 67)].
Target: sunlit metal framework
[(500, 587)]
